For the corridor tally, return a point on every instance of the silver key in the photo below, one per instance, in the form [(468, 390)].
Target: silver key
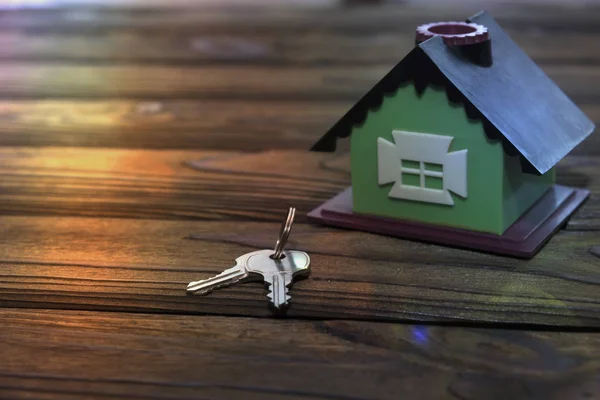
[(279, 273), (224, 279)]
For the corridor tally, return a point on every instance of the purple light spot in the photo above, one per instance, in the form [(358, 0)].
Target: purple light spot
[(420, 334)]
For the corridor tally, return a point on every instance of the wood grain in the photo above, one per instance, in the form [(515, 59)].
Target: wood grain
[(51, 354), (23, 80), (159, 4), (313, 48), (228, 4), (203, 185), (144, 265), (152, 184), (168, 124), (216, 18)]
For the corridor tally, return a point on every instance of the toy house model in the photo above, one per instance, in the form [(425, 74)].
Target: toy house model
[(457, 145)]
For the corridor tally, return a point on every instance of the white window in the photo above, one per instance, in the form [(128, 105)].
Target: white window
[(421, 168)]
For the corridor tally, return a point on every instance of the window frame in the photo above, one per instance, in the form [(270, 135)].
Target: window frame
[(421, 172)]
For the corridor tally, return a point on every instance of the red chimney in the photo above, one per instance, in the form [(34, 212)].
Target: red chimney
[(470, 40)]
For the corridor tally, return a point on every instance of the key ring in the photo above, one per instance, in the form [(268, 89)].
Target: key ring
[(284, 233)]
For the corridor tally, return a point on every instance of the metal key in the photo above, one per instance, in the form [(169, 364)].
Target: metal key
[(224, 279), (278, 274), (276, 267)]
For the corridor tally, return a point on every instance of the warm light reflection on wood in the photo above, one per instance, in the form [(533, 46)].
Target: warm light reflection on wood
[(16, 4)]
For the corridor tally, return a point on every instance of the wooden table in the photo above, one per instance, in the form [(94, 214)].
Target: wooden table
[(145, 144)]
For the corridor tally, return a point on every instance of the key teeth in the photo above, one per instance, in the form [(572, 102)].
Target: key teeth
[(270, 295)]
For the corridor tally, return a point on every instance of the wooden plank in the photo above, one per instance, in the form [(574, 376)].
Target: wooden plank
[(221, 186), (145, 265), (187, 4), (23, 80), (55, 354), (167, 124), (155, 184), (214, 18), (184, 124), (157, 4), (313, 48)]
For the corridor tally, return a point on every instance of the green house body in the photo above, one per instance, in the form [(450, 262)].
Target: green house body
[(498, 192)]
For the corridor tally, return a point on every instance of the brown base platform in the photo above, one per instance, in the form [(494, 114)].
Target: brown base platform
[(523, 239)]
